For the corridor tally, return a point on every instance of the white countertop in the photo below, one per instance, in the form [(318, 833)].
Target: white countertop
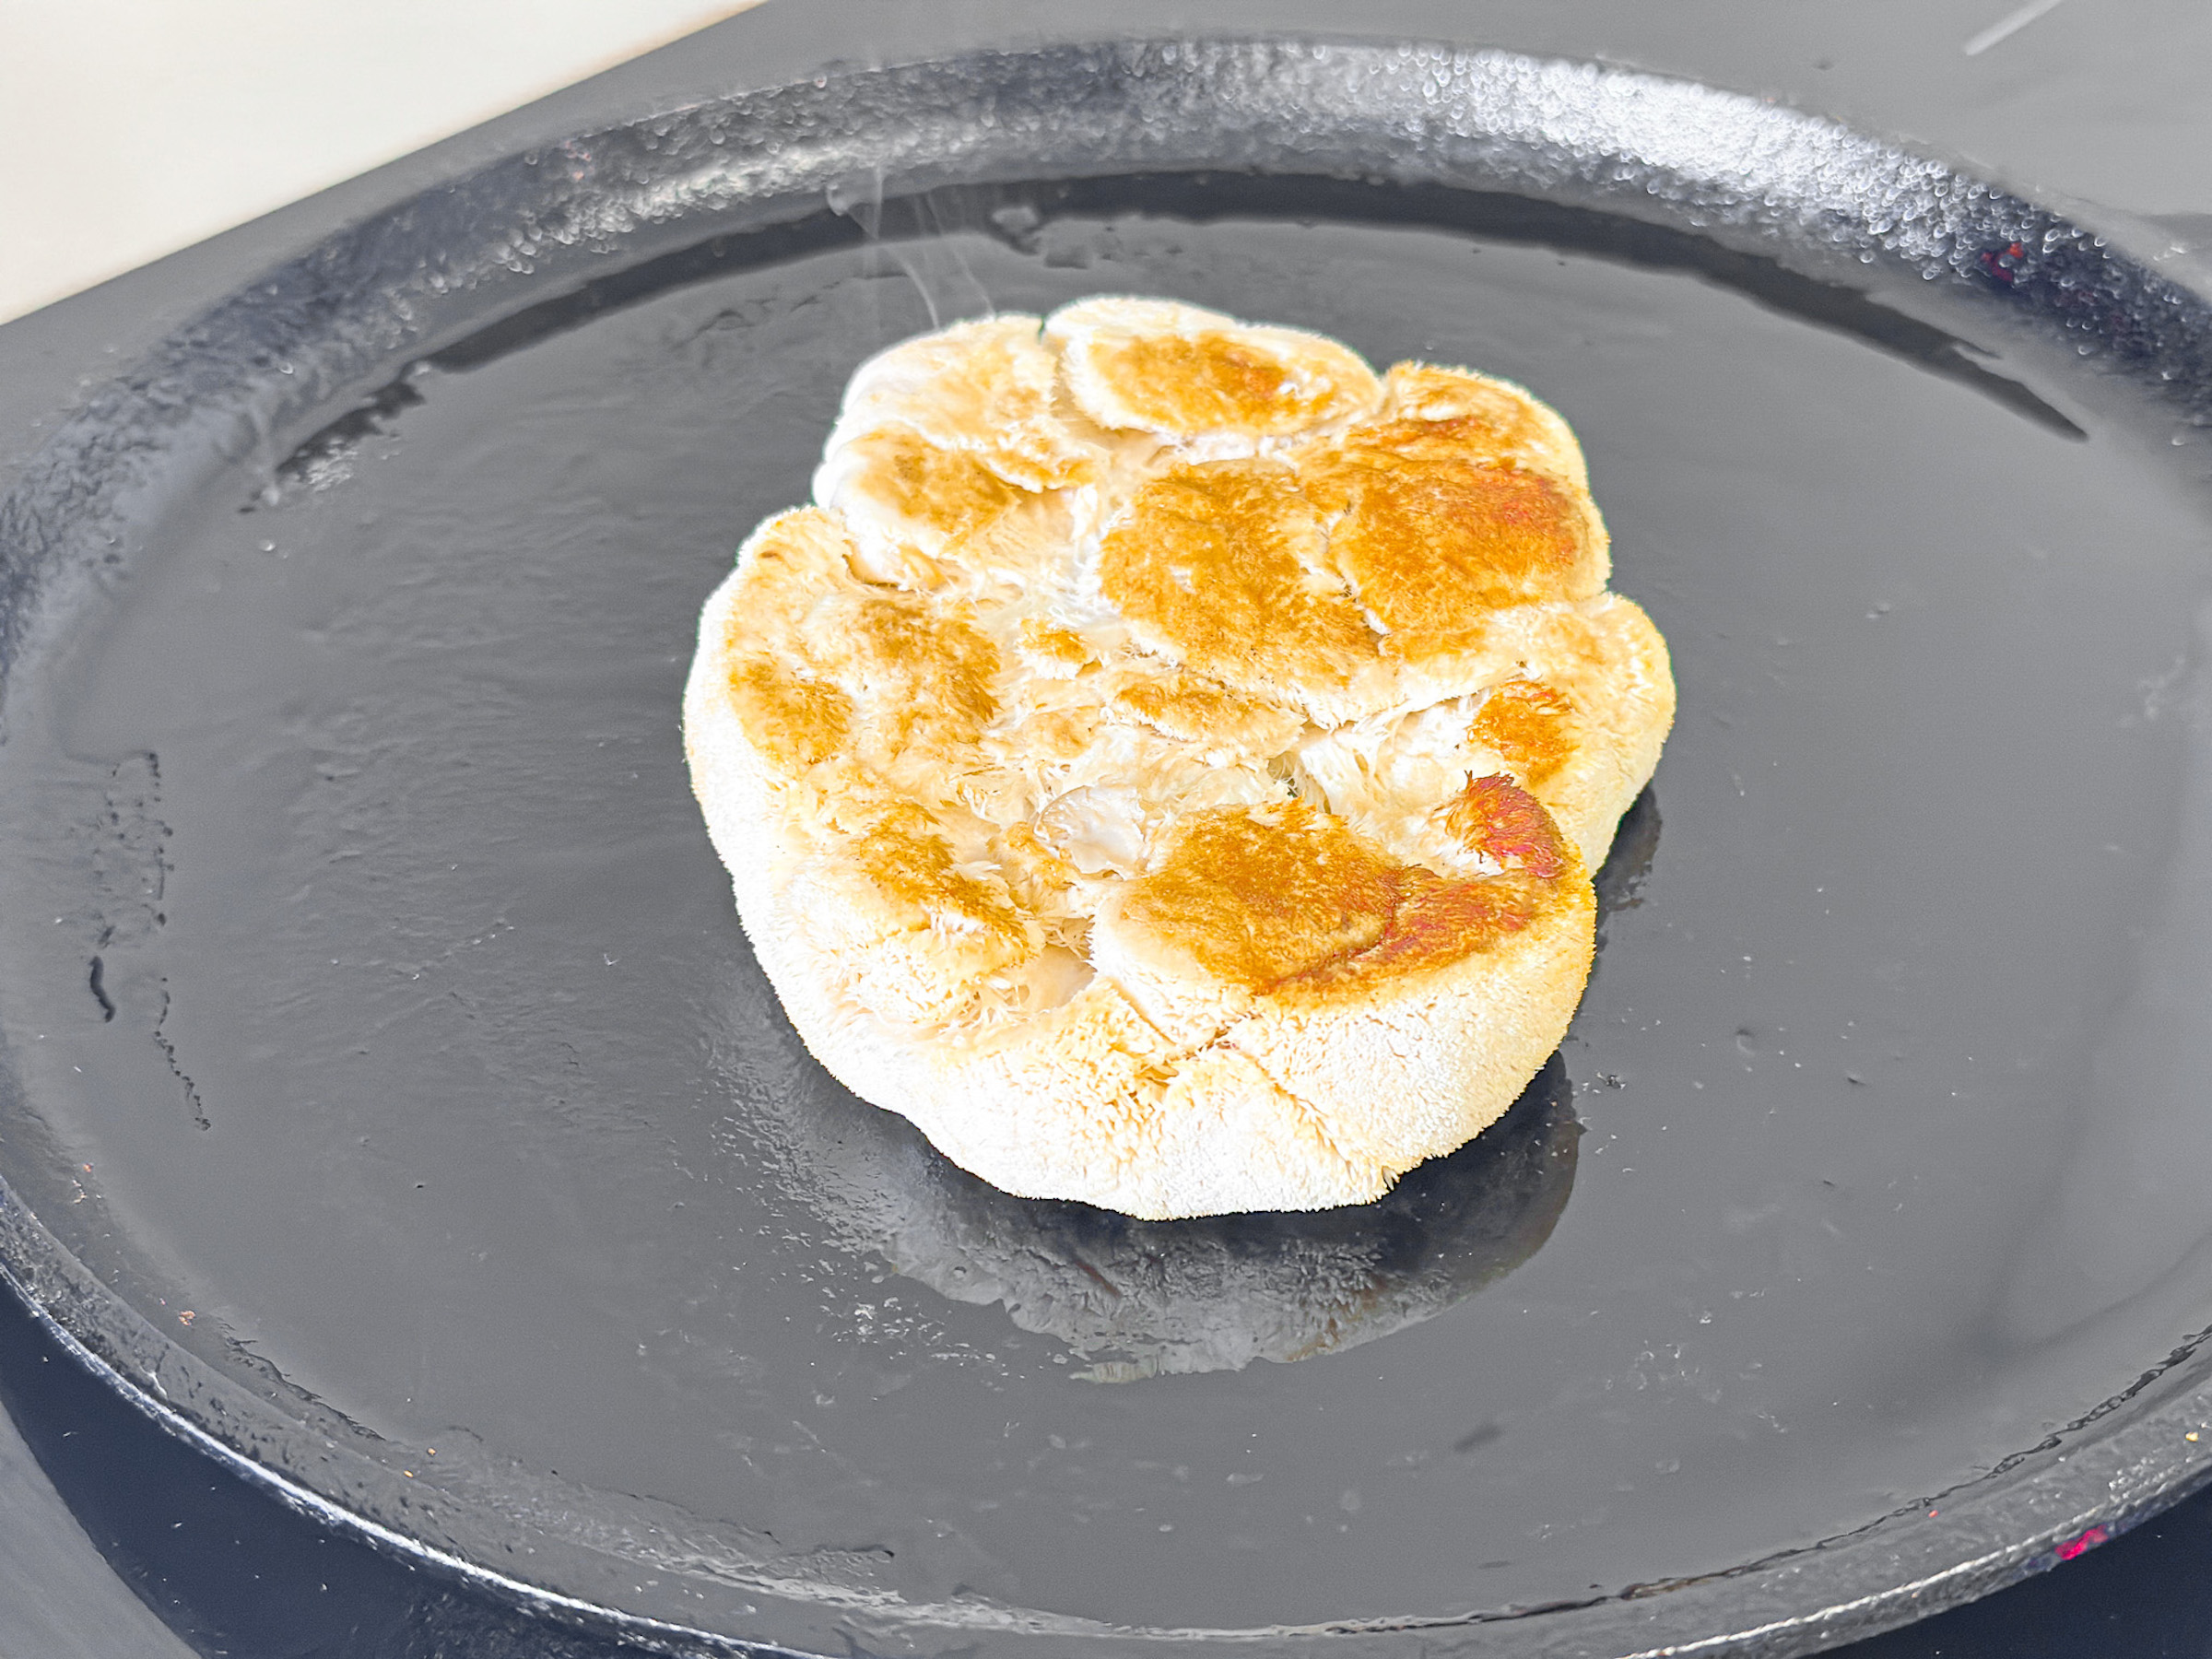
[(137, 128)]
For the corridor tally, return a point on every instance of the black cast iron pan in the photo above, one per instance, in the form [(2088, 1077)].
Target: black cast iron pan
[(393, 1106)]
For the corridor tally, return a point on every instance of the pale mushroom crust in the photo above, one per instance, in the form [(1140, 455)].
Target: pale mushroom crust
[(1167, 764)]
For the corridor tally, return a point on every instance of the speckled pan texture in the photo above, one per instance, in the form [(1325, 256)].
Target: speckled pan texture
[(391, 1103)]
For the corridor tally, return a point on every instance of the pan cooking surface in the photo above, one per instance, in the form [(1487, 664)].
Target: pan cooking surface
[(384, 1035)]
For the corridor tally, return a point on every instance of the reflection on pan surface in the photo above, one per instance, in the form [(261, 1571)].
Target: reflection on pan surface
[(1141, 1299)]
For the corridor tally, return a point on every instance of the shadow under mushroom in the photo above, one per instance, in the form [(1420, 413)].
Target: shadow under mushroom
[(1138, 1298)]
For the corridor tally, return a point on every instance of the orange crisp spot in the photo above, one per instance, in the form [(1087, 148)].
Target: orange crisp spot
[(1186, 383), (1527, 723), (1497, 816), (1434, 544), (1433, 924), (1293, 901), (1223, 561), (794, 723), (949, 492)]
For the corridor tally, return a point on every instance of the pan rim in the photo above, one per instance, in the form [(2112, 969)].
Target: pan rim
[(1749, 176)]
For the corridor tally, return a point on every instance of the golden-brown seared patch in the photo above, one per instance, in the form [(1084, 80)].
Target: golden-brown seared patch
[(1177, 371), (1434, 922), (1292, 900), (924, 669), (910, 864), (984, 387), (1530, 726), (1435, 411), (1055, 653), (1458, 439), (795, 722), (822, 662), (1222, 565), (1432, 544), (943, 496), (922, 939), (1188, 383), (1255, 896), (1193, 707)]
